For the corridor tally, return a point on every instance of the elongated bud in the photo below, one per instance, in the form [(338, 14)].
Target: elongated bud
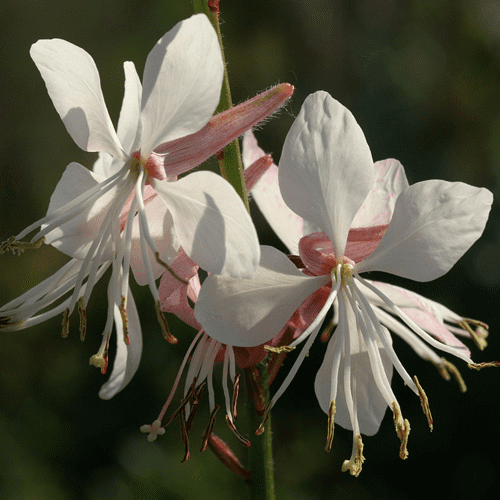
[(222, 451), (183, 154)]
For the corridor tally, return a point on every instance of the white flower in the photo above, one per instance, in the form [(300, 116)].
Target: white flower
[(127, 212), (327, 177)]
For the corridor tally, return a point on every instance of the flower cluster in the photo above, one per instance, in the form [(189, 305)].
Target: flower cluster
[(339, 214)]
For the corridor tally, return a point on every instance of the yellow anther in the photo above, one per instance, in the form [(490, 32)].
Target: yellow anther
[(478, 334), (425, 403), (487, 364), (279, 350), (331, 426), (98, 361), (123, 314), (445, 368), (354, 465), (18, 247), (402, 430)]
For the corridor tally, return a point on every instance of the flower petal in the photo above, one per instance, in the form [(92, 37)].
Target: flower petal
[(433, 225), (74, 86), (212, 224), (127, 357), (128, 121), (162, 230), (75, 237), (249, 312), (288, 226), (182, 82), (326, 168), (371, 405), (377, 209)]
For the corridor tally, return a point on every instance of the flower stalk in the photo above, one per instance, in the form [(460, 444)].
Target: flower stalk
[(230, 162)]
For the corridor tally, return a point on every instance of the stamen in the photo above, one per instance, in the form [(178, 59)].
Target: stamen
[(100, 360), (184, 434), (245, 442), (234, 401), (402, 430), (83, 318), (18, 247), (279, 350), (265, 418), (487, 364), (123, 313), (354, 465), (169, 269), (479, 334), (425, 403), (445, 368), (255, 388), (331, 426), (164, 325), (65, 324), (209, 429), (153, 431)]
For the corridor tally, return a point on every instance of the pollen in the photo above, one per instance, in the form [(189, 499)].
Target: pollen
[(355, 463), (402, 430), (425, 403), (18, 247)]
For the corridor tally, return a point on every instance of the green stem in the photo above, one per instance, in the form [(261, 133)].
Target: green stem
[(230, 161), (261, 484)]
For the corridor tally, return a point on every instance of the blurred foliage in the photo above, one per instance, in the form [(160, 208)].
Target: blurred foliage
[(422, 78)]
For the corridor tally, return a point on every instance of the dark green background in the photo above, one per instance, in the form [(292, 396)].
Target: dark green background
[(423, 80)]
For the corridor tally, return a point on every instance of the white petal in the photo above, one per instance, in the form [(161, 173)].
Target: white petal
[(127, 357), (371, 405), (249, 312), (212, 224), (377, 209), (74, 86), (128, 121), (433, 225), (182, 82), (288, 226), (326, 168), (162, 230), (75, 237)]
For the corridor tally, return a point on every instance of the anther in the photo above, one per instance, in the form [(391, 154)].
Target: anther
[(65, 324), (123, 314), (354, 465), (169, 269), (331, 427), (83, 318), (209, 429), (425, 403), (164, 325), (478, 334), (402, 430), (279, 350), (487, 364), (236, 391), (265, 418), (445, 368), (18, 247), (245, 442)]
